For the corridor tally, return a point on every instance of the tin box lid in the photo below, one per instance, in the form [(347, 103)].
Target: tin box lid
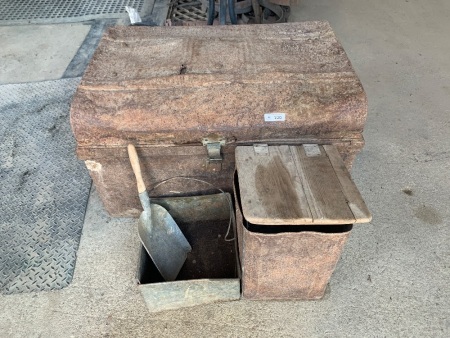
[(294, 185), (178, 85)]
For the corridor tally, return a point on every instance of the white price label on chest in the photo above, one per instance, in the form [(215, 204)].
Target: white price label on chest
[(274, 117)]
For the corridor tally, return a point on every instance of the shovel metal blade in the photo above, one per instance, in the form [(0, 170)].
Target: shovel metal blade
[(163, 241)]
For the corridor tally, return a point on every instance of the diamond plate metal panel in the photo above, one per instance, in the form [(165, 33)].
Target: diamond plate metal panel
[(188, 10), (29, 11), (44, 189)]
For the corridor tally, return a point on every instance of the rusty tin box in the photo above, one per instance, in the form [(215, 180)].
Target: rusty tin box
[(187, 96), (295, 207)]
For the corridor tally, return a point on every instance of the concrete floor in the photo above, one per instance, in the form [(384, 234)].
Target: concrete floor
[(38, 52), (393, 277)]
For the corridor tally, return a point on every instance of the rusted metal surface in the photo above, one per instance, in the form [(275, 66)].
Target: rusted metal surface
[(165, 90), (113, 176), (133, 89), (115, 183), (288, 265)]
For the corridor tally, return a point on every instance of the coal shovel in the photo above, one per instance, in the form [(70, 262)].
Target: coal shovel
[(158, 231)]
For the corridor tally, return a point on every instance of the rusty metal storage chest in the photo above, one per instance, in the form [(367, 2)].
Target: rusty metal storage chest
[(187, 96), (295, 207)]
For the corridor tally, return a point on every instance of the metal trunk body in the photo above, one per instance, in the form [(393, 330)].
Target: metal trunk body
[(187, 96), (287, 265)]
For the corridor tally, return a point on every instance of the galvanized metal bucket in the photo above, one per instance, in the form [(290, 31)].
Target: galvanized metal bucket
[(210, 273)]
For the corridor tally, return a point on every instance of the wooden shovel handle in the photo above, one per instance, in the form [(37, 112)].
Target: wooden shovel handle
[(134, 159)]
